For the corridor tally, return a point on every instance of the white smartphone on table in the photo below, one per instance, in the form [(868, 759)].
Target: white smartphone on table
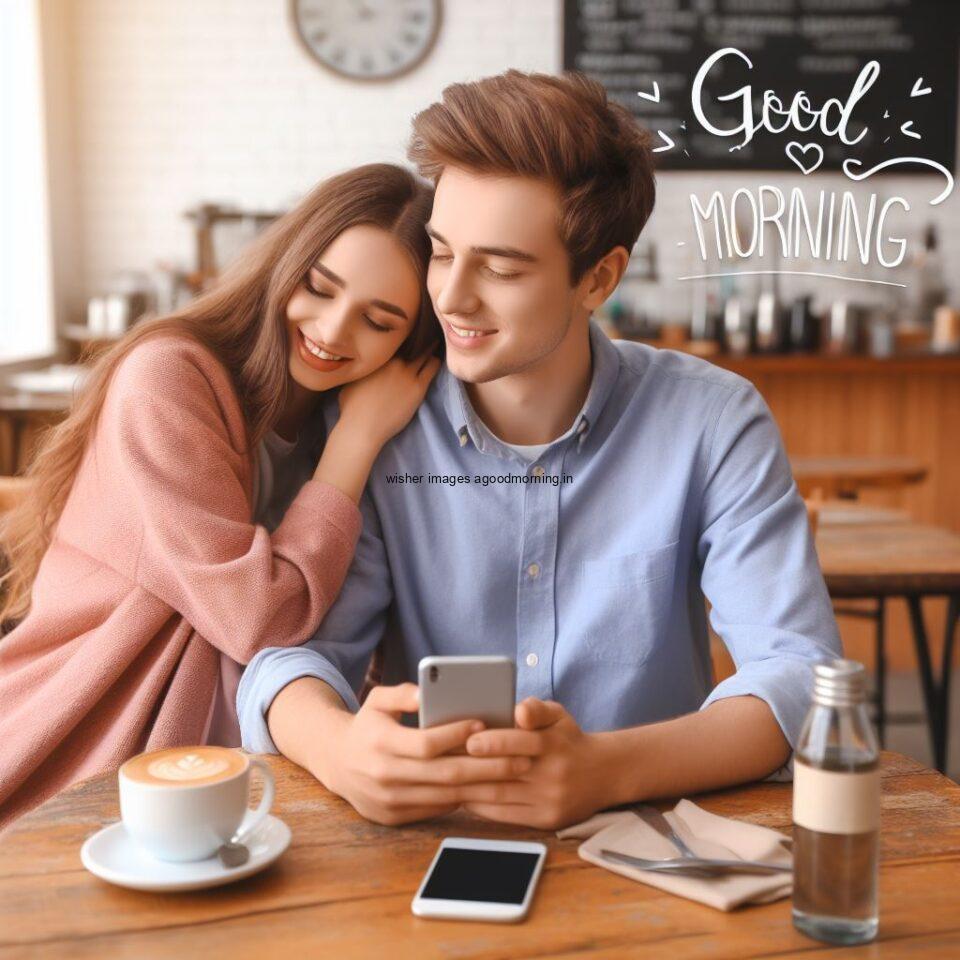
[(480, 880), (467, 688)]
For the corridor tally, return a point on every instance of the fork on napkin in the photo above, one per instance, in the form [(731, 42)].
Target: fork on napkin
[(707, 835)]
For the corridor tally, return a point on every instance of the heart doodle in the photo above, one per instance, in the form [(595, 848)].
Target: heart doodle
[(799, 155)]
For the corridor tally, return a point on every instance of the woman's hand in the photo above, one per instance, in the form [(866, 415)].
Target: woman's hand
[(380, 405), (372, 410)]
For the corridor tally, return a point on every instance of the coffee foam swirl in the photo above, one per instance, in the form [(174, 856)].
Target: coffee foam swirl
[(188, 767)]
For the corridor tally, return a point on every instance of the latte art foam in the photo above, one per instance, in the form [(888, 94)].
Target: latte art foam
[(189, 767), (185, 766)]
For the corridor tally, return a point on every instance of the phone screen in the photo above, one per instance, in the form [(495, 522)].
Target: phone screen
[(490, 876)]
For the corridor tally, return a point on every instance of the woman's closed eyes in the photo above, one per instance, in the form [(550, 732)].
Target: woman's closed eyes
[(318, 289)]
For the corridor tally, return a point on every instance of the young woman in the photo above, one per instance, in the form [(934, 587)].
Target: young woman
[(143, 569)]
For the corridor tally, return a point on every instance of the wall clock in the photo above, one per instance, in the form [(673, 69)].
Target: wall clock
[(367, 39)]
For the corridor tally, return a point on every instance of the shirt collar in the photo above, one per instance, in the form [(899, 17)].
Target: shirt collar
[(469, 428)]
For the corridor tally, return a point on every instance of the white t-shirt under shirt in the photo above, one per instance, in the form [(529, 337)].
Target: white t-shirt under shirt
[(532, 451), (282, 467)]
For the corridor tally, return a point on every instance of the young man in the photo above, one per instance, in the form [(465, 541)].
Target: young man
[(595, 585)]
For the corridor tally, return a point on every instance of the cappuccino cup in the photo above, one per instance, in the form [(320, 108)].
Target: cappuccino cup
[(183, 803)]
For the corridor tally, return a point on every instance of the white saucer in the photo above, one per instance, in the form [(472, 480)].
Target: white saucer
[(113, 856)]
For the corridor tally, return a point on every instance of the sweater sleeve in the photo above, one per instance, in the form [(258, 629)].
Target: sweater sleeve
[(176, 432)]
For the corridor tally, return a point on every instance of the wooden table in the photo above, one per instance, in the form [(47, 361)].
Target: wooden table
[(883, 560), (855, 513), (344, 888), (846, 476)]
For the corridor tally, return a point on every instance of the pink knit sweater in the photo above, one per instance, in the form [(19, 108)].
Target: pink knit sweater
[(154, 570)]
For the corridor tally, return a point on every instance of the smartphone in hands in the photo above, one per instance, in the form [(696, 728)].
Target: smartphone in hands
[(467, 688)]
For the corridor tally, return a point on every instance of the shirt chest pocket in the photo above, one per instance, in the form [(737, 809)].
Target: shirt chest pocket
[(627, 603)]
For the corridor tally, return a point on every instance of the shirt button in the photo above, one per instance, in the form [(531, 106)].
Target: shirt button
[(534, 569), (463, 439), (532, 659), (538, 471)]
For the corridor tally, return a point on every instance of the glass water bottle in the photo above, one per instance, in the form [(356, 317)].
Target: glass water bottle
[(836, 811)]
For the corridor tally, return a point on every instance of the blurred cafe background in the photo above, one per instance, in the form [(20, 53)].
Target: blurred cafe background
[(146, 141)]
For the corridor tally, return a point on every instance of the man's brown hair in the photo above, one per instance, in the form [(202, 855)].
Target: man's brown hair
[(562, 129)]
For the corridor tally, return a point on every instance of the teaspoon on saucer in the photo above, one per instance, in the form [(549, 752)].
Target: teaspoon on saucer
[(233, 853)]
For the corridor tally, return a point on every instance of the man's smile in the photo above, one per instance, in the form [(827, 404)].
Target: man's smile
[(465, 336)]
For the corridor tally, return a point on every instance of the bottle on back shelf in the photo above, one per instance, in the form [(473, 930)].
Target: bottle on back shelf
[(928, 276)]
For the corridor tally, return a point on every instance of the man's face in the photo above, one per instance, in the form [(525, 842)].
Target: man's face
[(499, 276)]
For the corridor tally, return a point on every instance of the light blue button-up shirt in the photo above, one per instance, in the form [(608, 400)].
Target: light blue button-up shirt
[(588, 566)]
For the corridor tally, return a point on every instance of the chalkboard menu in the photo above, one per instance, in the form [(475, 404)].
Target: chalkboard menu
[(817, 46)]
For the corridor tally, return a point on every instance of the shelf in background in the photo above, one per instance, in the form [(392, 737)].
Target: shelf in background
[(821, 362), (81, 333), (826, 363)]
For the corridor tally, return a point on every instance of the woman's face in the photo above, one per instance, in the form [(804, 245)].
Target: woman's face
[(355, 307)]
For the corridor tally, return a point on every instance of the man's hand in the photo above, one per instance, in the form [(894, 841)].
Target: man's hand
[(393, 774), (566, 781)]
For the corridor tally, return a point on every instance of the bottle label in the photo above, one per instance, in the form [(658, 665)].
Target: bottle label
[(831, 801)]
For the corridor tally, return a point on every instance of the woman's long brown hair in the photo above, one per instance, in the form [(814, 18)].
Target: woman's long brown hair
[(242, 322)]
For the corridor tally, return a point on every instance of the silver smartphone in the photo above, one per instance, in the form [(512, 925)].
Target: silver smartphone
[(467, 688)]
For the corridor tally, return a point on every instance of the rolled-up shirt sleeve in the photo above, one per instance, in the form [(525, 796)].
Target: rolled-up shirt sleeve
[(339, 651), (759, 568)]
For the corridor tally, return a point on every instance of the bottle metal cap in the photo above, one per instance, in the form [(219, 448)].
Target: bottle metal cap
[(839, 683)]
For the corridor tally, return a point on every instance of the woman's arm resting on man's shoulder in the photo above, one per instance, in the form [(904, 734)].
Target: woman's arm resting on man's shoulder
[(178, 444), (372, 410)]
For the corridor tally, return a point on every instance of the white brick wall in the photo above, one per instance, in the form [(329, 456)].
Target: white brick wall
[(179, 101)]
